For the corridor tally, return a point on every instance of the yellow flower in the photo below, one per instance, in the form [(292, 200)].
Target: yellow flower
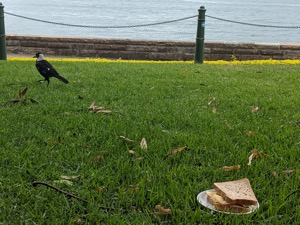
[(217, 62)]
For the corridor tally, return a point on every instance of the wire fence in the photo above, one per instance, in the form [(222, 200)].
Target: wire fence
[(253, 24), (151, 24)]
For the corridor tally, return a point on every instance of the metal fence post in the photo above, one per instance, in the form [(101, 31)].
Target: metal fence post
[(2, 34), (199, 52)]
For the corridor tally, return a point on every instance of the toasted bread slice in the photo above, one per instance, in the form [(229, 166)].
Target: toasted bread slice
[(236, 192), (222, 205)]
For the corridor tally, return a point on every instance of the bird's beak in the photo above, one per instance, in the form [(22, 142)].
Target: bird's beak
[(34, 56)]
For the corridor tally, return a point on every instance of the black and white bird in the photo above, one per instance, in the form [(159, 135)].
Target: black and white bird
[(46, 69)]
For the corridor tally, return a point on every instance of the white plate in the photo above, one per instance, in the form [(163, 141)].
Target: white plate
[(202, 199)]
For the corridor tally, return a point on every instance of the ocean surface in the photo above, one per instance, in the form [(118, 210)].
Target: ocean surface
[(139, 12)]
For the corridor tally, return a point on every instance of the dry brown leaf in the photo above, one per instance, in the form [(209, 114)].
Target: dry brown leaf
[(126, 140), (209, 103), (274, 174), (256, 154), (67, 182), (176, 151), (143, 144), (98, 109), (132, 188), (92, 106), (162, 210), (78, 221), (98, 158), (214, 109), (254, 108), (14, 100), (231, 168), (253, 155), (100, 189), (286, 172), (251, 133), (132, 152), (66, 113), (105, 111), (33, 101), (22, 93), (69, 177)]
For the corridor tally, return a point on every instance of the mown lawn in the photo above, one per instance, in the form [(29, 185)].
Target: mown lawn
[(220, 112)]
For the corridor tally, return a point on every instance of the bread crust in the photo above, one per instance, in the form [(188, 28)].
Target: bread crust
[(221, 205), (236, 192)]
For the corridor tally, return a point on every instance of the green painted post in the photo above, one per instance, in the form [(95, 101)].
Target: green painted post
[(2, 34), (199, 52)]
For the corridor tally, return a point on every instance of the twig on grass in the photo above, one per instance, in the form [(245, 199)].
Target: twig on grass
[(35, 183), (292, 193)]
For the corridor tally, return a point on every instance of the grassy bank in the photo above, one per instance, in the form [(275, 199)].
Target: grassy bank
[(220, 112)]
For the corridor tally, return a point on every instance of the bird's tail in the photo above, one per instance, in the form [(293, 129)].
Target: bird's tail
[(62, 79)]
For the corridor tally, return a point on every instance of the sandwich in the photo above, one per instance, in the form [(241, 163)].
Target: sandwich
[(232, 196)]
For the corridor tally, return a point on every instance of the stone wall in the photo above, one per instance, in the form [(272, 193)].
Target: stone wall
[(145, 49)]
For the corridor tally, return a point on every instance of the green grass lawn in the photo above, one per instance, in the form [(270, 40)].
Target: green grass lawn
[(203, 107)]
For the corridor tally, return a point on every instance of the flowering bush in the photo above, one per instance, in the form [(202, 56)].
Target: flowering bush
[(217, 62)]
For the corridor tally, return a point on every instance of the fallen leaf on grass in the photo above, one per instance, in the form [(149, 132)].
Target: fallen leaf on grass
[(78, 221), (231, 168), (256, 154), (22, 93), (143, 144), (99, 157), (162, 211), (66, 113), (286, 172), (251, 133), (67, 182), (100, 189), (69, 177), (22, 98), (14, 100), (176, 151), (132, 152), (126, 140), (91, 108), (132, 188), (98, 109), (105, 111), (254, 108), (209, 103), (33, 101), (214, 109)]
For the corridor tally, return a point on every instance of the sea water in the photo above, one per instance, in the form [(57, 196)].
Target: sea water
[(139, 12)]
